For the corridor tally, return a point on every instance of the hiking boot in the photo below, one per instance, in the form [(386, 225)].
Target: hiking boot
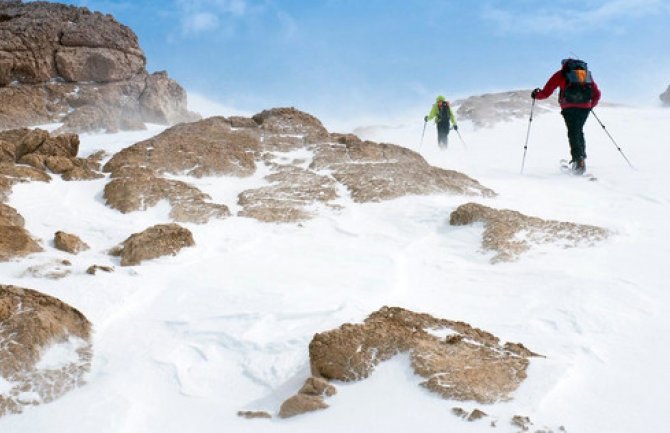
[(578, 166)]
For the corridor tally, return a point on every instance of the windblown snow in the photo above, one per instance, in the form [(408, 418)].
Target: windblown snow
[(182, 343)]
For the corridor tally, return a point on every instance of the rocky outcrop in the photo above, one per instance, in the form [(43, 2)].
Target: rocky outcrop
[(665, 97), (487, 109), (308, 168), (15, 241), (69, 243), (157, 241), (61, 63), (510, 233), (458, 361), (375, 172), (43, 151), (33, 324), (308, 399)]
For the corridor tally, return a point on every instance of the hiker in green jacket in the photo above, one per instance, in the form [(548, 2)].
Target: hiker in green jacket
[(441, 112)]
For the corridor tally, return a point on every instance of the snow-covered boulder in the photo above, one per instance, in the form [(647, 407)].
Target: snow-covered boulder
[(510, 233), (458, 361), (156, 241), (50, 348), (69, 243)]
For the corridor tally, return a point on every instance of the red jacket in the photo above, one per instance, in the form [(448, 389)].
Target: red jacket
[(558, 80)]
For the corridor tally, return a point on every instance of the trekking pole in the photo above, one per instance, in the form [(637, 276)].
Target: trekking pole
[(462, 141), (614, 142), (525, 146), (425, 122)]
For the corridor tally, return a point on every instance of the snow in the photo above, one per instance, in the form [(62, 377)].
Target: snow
[(182, 343)]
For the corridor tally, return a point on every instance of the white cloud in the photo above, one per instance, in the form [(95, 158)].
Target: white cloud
[(199, 22), (569, 15), (198, 16)]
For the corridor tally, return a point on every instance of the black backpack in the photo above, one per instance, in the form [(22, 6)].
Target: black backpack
[(578, 82)]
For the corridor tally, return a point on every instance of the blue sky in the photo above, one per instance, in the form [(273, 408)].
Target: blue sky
[(344, 58)]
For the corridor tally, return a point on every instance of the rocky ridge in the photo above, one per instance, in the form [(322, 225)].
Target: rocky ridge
[(61, 63), (308, 168)]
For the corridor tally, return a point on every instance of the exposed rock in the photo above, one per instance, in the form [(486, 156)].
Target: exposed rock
[(301, 403), (487, 109), (189, 204), (298, 186), (94, 268), (477, 368), (16, 242), (380, 171), (63, 63), (665, 96), (33, 322), (291, 192), (318, 386), (156, 241), (69, 242), (287, 128), (209, 147), (459, 412), (10, 217), (510, 233), (249, 414), (523, 422), (476, 414)]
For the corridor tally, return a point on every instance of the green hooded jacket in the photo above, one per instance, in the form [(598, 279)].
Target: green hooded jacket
[(435, 111)]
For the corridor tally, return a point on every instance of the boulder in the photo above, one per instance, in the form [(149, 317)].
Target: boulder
[(37, 323), (156, 241), (299, 404), (141, 192), (61, 63), (16, 242), (510, 233), (10, 217), (490, 108), (475, 367), (69, 243)]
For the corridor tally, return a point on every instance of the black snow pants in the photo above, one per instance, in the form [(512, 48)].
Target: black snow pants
[(443, 133), (574, 120)]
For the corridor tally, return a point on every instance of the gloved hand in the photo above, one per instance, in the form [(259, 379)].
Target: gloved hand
[(455, 127), (425, 118), (534, 93)]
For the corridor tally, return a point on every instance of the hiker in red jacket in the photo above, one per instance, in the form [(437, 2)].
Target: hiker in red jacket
[(578, 95)]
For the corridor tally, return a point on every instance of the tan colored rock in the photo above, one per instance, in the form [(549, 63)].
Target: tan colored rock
[(97, 64), (16, 242), (287, 128), (10, 217), (91, 270), (379, 171), (209, 147), (510, 233), (69, 243), (253, 414), (476, 415), (34, 322), (156, 241), (164, 101), (189, 204), (476, 368), (291, 192), (490, 108), (63, 63), (299, 404), (318, 386)]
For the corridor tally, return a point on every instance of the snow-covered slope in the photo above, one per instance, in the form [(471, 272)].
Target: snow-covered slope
[(182, 343)]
